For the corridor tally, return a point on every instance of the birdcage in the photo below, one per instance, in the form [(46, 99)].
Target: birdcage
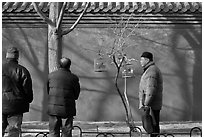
[(128, 69), (100, 64)]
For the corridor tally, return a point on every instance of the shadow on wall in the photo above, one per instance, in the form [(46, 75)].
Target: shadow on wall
[(92, 88), (33, 58), (186, 46), (108, 105), (100, 107), (41, 74), (193, 36), (36, 57)]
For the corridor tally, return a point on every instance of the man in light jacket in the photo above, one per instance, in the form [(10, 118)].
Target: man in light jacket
[(150, 89)]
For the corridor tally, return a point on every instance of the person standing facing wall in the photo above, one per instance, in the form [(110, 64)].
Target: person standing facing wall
[(63, 88), (17, 93), (150, 89)]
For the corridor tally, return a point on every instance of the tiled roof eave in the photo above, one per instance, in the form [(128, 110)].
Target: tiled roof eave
[(109, 7), (98, 14)]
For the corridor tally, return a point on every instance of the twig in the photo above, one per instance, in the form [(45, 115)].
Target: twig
[(42, 15), (59, 21), (76, 22)]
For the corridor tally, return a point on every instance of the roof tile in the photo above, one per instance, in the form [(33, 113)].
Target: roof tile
[(23, 7), (95, 7)]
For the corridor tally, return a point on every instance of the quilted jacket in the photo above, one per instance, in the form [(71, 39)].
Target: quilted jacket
[(151, 87), (63, 88), (17, 90)]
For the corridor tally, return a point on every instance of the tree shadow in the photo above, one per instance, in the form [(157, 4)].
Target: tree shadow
[(195, 42), (193, 35), (28, 52), (105, 95)]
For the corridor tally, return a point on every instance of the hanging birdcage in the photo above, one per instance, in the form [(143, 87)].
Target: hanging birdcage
[(127, 71), (100, 64)]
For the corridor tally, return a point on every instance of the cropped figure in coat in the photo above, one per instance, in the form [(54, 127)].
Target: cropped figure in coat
[(63, 88), (17, 93), (150, 89)]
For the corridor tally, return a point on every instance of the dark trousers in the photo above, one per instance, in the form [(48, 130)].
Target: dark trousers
[(156, 128), (13, 123), (56, 123)]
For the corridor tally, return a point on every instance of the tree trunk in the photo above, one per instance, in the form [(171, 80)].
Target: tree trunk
[(54, 37)]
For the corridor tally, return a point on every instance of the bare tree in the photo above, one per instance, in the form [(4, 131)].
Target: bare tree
[(122, 30), (55, 32)]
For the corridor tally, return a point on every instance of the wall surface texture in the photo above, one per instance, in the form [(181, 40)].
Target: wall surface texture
[(177, 52)]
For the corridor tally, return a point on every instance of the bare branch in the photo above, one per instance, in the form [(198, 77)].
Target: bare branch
[(131, 33), (121, 62), (59, 21), (126, 25), (116, 64), (42, 15), (76, 22)]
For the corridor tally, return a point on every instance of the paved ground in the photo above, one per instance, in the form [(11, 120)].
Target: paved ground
[(113, 128)]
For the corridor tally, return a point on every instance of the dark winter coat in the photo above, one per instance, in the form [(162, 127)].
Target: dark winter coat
[(151, 87), (17, 90), (63, 89)]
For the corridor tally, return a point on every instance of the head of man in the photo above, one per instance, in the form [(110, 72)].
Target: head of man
[(12, 53), (145, 58), (65, 63)]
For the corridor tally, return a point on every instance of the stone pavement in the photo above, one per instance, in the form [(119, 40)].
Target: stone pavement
[(115, 128)]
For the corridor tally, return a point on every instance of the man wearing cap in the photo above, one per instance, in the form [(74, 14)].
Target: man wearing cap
[(150, 89), (17, 93), (63, 88)]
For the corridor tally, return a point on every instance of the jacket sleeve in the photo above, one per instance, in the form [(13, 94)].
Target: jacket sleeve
[(141, 98), (151, 85), (76, 88), (48, 85), (48, 88), (27, 85)]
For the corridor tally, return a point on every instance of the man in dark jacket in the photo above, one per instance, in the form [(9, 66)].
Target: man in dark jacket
[(63, 88), (150, 89), (17, 93)]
